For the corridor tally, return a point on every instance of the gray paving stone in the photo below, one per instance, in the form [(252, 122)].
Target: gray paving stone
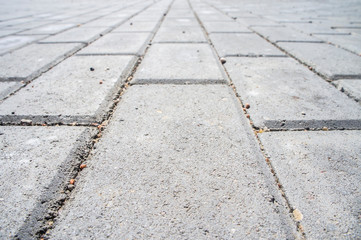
[(103, 22), (284, 34), (70, 92), (12, 42), (8, 87), (180, 22), (285, 94), (48, 29), (333, 62), (226, 26), (180, 34), (320, 174), (132, 26), (179, 63), (349, 42), (125, 43), (79, 34), (191, 172), (243, 44), (6, 32), (351, 87), (29, 61), (33, 160)]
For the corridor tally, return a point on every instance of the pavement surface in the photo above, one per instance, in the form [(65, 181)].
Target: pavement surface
[(180, 119)]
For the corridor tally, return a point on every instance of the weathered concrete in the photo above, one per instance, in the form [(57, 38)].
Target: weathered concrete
[(180, 34), (118, 44), (48, 29), (12, 42), (227, 26), (320, 175), (243, 44), (189, 168), (79, 34), (23, 64), (321, 57), (8, 87), (281, 89), (350, 87), (34, 161), (179, 63), (284, 34), (71, 92)]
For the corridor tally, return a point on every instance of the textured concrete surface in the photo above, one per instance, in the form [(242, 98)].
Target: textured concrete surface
[(190, 172), (180, 119), (321, 178), (30, 166)]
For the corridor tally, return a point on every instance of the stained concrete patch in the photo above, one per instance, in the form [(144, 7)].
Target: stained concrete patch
[(27, 62), (320, 174), (175, 162), (243, 44), (170, 63), (118, 44), (32, 161), (331, 61), (281, 89), (80, 89)]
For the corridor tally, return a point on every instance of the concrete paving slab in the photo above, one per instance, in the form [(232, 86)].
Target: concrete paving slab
[(179, 63), (33, 163), (284, 34), (243, 44), (48, 29), (284, 94), (349, 42), (125, 43), (29, 61), (180, 22), (227, 26), (78, 34), (352, 87), (103, 22), (321, 178), (69, 93), (180, 34), (331, 61), (188, 169), (8, 87), (12, 42), (132, 26)]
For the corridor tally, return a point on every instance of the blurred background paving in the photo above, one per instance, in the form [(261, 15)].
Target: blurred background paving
[(180, 119)]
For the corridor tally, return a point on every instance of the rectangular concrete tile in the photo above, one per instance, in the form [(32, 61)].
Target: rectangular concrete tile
[(70, 92), (283, 93), (352, 87), (33, 162), (349, 42), (132, 26), (79, 34), (331, 61), (8, 87), (179, 34), (48, 29), (33, 59), (179, 63), (320, 174), (227, 26), (12, 42), (243, 44), (124, 43), (176, 162), (103, 22), (284, 34), (180, 22)]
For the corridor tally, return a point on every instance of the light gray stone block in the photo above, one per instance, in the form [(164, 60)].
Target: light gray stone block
[(179, 63), (349, 42), (48, 29), (180, 34), (176, 162), (243, 44), (132, 26), (331, 61), (351, 87), (284, 34), (12, 42), (285, 94), (33, 164), (79, 34), (180, 22), (124, 43), (8, 87), (30, 61), (226, 26), (320, 175), (70, 92)]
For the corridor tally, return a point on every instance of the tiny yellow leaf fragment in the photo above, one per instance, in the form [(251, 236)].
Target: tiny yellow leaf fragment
[(297, 215)]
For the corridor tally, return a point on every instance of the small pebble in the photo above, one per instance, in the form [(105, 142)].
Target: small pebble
[(72, 181), (223, 60), (247, 105), (247, 116), (100, 82), (92, 69), (82, 166), (26, 121), (325, 129), (303, 113)]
